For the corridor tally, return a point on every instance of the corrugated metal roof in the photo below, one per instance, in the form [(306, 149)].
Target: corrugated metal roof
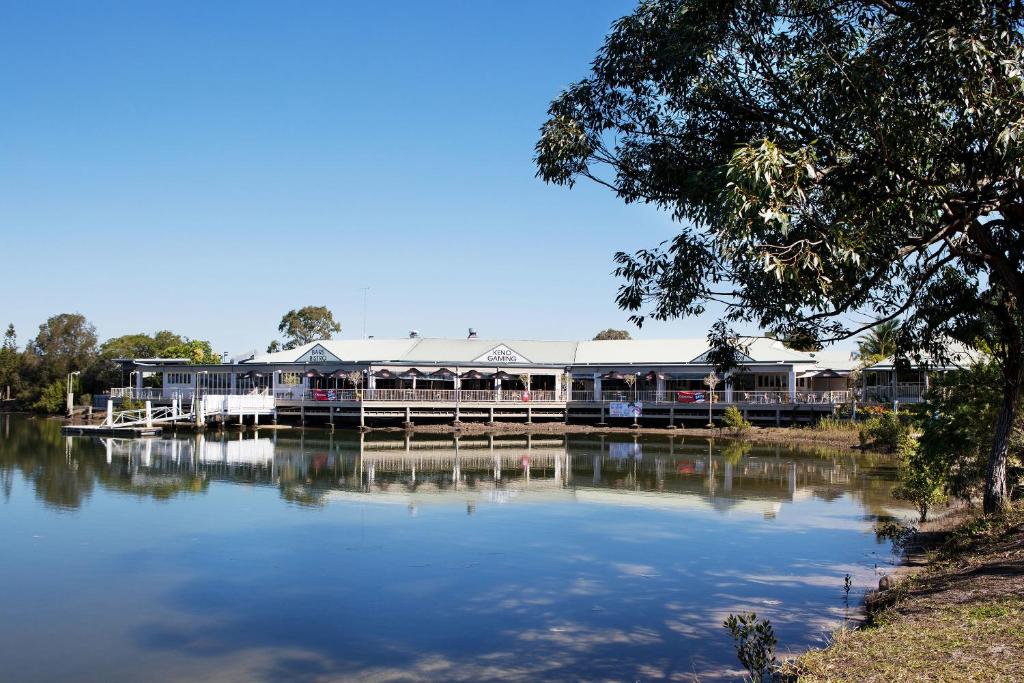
[(467, 351), (438, 351), (345, 350), (651, 351)]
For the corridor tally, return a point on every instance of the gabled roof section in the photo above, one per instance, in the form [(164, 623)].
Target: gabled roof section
[(317, 354), (356, 350), (477, 351)]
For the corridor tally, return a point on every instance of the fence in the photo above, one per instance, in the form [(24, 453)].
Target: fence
[(697, 396), (427, 395)]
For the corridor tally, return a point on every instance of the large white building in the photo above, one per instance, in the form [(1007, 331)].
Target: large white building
[(475, 378)]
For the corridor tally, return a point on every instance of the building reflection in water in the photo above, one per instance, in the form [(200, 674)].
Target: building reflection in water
[(418, 470)]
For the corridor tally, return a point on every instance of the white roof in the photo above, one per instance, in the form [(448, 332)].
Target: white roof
[(491, 352), (959, 356), (430, 350), (344, 350)]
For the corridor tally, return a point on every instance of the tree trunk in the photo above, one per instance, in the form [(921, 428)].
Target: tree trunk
[(996, 495)]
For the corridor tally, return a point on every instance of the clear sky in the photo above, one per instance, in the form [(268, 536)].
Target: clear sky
[(204, 167)]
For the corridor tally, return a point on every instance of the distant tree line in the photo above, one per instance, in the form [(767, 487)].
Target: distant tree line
[(35, 377)]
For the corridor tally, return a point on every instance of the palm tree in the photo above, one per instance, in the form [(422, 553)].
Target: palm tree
[(879, 342)]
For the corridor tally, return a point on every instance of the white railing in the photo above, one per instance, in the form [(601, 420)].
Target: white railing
[(904, 393), (167, 393), (427, 395), (696, 396), (135, 394)]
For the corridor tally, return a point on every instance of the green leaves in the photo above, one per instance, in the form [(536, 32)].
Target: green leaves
[(307, 324)]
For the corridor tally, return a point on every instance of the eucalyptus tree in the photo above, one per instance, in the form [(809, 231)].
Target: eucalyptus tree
[(825, 160), (611, 334), (307, 324)]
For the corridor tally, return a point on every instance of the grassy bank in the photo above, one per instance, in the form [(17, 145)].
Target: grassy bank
[(955, 614)]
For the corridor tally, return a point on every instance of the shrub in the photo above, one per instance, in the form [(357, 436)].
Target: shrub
[(885, 431), (53, 399), (923, 479), (734, 420), (755, 646)]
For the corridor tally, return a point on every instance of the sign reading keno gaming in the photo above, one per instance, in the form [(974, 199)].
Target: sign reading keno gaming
[(317, 354), (500, 354)]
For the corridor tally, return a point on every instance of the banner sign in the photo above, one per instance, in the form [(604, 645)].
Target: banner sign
[(619, 409), (325, 395), (691, 396)]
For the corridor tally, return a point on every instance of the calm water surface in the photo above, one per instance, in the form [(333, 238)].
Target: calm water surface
[(318, 557)]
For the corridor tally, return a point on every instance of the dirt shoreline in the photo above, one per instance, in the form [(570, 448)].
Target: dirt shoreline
[(790, 435), (953, 610)]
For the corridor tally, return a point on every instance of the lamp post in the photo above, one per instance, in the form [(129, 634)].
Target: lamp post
[(71, 393), (712, 381)]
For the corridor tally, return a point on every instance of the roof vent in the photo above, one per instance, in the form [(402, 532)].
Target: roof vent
[(472, 334), (413, 334)]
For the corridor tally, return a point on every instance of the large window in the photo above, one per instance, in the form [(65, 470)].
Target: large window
[(291, 379), (772, 381), (215, 381), (178, 378)]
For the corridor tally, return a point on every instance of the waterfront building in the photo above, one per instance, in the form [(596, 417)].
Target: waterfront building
[(491, 380)]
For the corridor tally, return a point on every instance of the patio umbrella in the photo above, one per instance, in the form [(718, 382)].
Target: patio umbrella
[(411, 373), (312, 373), (612, 375), (340, 374), (653, 376), (246, 375), (472, 374), (502, 375), (384, 374), (443, 373)]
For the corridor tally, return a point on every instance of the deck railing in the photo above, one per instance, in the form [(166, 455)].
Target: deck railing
[(905, 393), (429, 395), (696, 396)]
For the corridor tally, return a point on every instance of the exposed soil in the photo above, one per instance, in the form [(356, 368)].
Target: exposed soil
[(956, 612), (788, 435)]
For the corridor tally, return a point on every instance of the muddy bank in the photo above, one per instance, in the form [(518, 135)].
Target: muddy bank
[(781, 435), (953, 612)]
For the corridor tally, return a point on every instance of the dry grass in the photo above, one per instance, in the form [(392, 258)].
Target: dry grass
[(961, 619)]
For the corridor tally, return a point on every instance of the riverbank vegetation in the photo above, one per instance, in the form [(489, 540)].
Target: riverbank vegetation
[(67, 350), (960, 618), (829, 163)]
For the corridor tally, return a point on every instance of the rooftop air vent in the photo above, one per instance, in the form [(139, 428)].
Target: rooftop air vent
[(472, 333)]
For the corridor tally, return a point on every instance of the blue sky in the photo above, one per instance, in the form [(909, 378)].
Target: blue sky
[(204, 167)]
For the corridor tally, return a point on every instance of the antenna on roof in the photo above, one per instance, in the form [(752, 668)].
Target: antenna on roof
[(365, 290), (472, 334), (413, 334)]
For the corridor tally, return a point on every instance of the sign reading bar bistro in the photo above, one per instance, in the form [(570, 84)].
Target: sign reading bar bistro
[(317, 354), (500, 354)]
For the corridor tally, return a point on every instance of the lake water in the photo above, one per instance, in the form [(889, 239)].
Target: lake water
[(320, 557)]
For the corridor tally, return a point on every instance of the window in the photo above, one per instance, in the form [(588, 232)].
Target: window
[(178, 378), (215, 380), (291, 379), (772, 381)]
